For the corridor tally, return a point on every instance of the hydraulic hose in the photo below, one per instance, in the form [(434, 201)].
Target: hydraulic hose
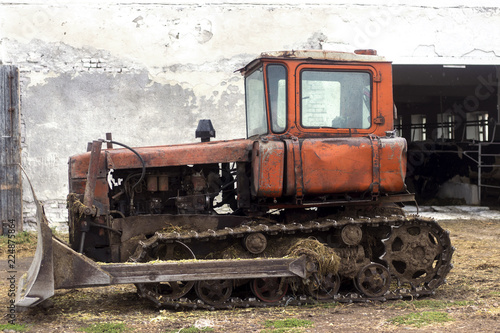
[(138, 156)]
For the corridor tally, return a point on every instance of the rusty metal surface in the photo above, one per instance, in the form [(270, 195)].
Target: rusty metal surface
[(268, 159), (158, 156), (375, 186), (350, 202), (196, 153), (298, 169), (346, 165), (88, 198), (79, 166)]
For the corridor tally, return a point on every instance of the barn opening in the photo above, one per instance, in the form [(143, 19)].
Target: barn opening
[(449, 115)]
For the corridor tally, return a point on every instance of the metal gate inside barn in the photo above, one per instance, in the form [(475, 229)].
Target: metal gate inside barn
[(10, 151)]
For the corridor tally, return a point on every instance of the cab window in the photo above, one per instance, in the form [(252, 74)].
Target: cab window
[(255, 103), (335, 99), (276, 83)]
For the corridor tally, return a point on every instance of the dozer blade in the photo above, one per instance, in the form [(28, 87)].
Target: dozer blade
[(56, 266), (38, 283)]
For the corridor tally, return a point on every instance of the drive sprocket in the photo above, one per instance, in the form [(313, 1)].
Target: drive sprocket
[(418, 253)]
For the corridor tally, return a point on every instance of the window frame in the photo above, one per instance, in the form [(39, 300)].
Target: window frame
[(268, 96)]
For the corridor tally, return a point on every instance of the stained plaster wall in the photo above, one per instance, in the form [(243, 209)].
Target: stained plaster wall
[(148, 71)]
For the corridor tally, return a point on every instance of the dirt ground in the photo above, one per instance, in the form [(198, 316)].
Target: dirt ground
[(471, 299)]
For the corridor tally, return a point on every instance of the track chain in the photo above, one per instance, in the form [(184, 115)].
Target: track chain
[(397, 291)]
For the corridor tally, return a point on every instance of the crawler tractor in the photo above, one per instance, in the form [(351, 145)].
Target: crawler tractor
[(307, 208)]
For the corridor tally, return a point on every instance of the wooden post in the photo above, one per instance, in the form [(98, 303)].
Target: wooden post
[(11, 212)]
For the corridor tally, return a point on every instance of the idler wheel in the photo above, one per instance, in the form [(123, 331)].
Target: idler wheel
[(373, 280)]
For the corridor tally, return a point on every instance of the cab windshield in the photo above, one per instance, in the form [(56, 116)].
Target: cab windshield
[(335, 99), (255, 100)]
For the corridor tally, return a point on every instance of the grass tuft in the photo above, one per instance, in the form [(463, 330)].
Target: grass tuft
[(106, 328), (13, 327), (23, 237), (419, 319), (431, 304), (22, 243), (284, 324)]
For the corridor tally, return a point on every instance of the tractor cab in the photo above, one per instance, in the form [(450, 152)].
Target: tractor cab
[(311, 93)]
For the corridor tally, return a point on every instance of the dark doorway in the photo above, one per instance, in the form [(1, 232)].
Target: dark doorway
[(449, 116)]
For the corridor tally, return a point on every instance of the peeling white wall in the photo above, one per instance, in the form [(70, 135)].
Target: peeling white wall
[(148, 71)]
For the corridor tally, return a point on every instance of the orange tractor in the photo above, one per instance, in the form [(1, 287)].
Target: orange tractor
[(306, 209)]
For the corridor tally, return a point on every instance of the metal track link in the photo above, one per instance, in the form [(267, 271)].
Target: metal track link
[(397, 291)]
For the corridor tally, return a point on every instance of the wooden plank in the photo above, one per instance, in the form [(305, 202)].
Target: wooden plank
[(10, 150), (196, 270)]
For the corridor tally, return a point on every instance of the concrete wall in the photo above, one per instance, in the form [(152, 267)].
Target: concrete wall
[(148, 71)]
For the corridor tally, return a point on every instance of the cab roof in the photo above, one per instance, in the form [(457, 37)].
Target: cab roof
[(357, 56)]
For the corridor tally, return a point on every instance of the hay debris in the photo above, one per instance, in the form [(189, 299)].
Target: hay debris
[(170, 228), (328, 261), (74, 204)]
